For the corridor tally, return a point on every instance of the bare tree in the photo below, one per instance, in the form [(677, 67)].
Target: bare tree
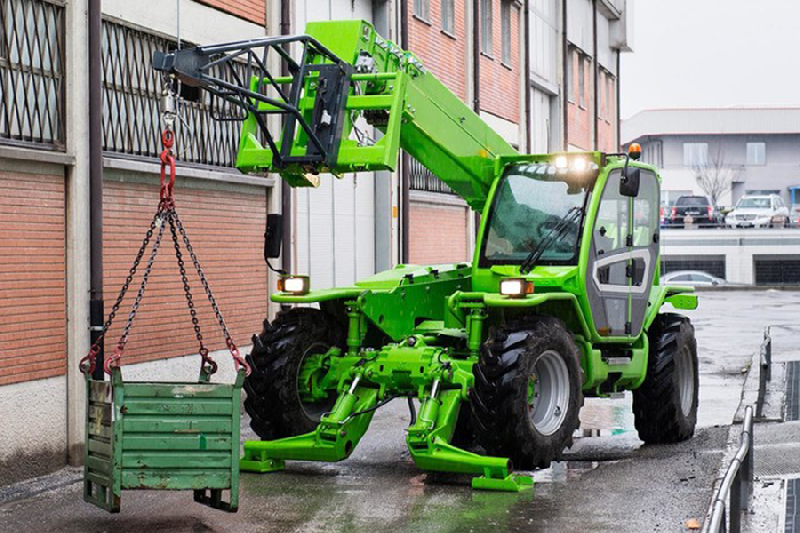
[(714, 175)]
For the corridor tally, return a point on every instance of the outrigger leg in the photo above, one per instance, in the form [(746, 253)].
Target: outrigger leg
[(340, 431), (335, 438), (429, 443)]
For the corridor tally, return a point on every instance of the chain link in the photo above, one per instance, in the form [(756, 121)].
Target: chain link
[(211, 365), (228, 340), (166, 214), (123, 339), (88, 363)]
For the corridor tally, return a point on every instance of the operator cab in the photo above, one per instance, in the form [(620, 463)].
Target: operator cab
[(559, 210)]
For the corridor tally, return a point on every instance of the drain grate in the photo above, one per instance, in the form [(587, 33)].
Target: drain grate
[(792, 495), (792, 412)]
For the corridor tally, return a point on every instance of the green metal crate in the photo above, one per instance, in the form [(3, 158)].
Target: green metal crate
[(162, 436)]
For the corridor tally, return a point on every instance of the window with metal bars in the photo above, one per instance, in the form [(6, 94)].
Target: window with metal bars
[(486, 26), (32, 71), (422, 9), (449, 16), (422, 179), (131, 97)]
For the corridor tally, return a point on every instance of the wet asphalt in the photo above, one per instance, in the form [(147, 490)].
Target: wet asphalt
[(609, 482)]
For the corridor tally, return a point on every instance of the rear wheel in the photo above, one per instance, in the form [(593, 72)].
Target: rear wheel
[(665, 406), (527, 394), (282, 397)]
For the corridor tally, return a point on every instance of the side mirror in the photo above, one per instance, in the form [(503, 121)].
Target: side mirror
[(629, 184), (273, 237)]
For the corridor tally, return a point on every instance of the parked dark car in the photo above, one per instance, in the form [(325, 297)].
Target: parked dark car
[(694, 210)]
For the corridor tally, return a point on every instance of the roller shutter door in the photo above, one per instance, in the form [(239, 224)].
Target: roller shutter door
[(777, 270), (712, 264), (33, 338), (226, 229), (335, 230)]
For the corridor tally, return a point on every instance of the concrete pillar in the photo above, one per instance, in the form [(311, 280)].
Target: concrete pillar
[(77, 140)]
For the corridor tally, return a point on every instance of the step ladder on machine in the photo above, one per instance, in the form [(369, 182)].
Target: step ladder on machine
[(158, 435)]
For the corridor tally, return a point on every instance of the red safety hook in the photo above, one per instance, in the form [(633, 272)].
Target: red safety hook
[(167, 160)]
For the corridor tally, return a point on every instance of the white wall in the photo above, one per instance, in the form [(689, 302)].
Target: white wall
[(738, 247), (334, 237)]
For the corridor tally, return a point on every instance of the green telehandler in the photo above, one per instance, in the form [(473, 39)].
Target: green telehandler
[(562, 300)]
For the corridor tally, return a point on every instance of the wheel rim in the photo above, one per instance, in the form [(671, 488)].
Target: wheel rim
[(548, 393), (312, 409), (686, 380)]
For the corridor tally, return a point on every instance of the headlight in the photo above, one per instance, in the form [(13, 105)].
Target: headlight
[(294, 284), (516, 287)]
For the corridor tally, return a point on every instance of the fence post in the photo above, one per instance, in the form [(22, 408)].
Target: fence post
[(736, 503)]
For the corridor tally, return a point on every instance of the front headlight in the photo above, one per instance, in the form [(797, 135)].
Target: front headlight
[(294, 284), (516, 287)]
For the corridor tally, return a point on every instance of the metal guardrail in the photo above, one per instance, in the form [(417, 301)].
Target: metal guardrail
[(765, 371), (733, 494)]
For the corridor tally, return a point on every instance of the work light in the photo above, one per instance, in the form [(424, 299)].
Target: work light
[(516, 287), (294, 284)]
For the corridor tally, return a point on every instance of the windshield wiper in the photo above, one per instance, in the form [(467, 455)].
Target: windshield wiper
[(554, 235)]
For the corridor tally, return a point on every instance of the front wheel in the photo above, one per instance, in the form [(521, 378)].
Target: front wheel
[(665, 406), (527, 394), (283, 399)]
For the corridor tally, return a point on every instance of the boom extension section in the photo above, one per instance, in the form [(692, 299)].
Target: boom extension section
[(345, 78)]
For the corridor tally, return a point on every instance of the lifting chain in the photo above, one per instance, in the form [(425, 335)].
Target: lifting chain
[(166, 214)]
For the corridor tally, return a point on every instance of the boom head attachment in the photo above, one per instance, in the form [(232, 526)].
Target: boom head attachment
[(304, 103)]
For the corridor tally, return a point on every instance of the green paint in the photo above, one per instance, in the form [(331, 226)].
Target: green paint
[(162, 436)]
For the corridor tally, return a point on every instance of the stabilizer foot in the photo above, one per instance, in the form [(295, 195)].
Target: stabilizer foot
[(510, 483), (252, 463)]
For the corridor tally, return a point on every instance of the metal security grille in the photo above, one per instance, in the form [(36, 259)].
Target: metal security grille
[(777, 270), (422, 179), (714, 265), (31, 71), (131, 96)]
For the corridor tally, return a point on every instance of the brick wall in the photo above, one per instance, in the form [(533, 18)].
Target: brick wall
[(438, 234), (500, 83), (252, 10), (441, 53), (580, 117), (33, 318), (225, 229)]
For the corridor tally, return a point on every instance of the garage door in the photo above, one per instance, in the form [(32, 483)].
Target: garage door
[(335, 230), (32, 277), (226, 227), (712, 264), (777, 269)]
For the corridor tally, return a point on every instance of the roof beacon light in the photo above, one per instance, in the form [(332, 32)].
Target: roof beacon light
[(635, 151), (562, 162)]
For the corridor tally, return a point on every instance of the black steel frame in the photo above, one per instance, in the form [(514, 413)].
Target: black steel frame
[(202, 67)]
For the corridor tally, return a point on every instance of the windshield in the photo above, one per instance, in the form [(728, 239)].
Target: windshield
[(530, 202), (753, 202), (693, 201)]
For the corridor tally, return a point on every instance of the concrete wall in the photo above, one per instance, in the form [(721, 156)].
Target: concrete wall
[(738, 246)]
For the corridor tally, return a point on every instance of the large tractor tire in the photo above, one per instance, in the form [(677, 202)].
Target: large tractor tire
[(665, 405), (274, 396), (527, 394)]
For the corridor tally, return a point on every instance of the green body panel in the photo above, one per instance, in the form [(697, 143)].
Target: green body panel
[(162, 436)]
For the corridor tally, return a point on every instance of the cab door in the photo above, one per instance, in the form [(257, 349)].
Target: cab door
[(623, 256)]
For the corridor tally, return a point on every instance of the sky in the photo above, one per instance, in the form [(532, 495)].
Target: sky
[(711, 53)]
